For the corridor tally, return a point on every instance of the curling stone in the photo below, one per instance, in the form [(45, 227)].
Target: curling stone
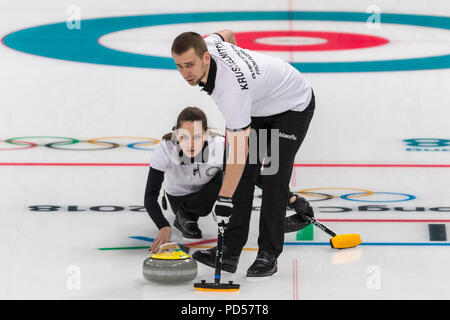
[(170, 266)]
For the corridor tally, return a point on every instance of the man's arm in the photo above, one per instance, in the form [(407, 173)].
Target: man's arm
[(228, 36), (238, 146)]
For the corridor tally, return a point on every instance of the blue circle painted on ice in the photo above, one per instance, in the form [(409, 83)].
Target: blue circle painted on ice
[(81, 45), (408, 197)]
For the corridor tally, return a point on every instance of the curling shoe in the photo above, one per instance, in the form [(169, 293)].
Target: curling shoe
[(265, 265), (208, 257), (294, 223), (188, 227)]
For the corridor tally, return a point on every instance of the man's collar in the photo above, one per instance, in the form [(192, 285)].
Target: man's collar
[(211, 81)]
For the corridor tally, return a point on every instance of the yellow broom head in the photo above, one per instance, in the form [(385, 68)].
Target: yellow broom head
[(220, 287), (217, 290), (343, 241)]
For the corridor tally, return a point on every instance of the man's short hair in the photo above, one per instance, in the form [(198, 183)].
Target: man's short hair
[(188, 40)]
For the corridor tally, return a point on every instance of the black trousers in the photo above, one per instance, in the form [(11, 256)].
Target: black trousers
[(292, 127), (198, 204)]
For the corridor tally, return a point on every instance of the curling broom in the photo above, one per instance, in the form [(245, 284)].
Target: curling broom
[(338, 241), (217, 285)]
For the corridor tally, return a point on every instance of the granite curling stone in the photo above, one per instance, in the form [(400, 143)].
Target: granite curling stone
[(170, 266)]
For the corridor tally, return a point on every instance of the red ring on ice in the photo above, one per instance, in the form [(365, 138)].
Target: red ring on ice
[(334, 40)]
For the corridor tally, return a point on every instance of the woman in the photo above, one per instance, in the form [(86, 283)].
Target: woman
[(190, 162)]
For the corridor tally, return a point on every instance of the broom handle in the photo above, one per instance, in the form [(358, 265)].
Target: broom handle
[(219, 255), (320, 225), (219, 248)]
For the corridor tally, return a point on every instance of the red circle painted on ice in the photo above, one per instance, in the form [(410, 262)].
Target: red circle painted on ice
[(266, 40)]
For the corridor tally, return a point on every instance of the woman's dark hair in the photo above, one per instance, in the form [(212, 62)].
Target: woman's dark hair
[(189, 114)]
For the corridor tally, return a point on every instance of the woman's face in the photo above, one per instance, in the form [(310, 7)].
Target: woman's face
[(191, 137)]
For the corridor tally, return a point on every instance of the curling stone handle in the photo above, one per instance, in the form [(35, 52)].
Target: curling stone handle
[(170, 245)]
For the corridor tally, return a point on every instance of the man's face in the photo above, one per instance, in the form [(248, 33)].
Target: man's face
[(191, 66)]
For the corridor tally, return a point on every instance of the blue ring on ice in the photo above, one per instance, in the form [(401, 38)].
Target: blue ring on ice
[(59, 42)]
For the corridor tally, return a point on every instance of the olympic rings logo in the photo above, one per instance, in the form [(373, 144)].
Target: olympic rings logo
[(65, 143), (317, 195)]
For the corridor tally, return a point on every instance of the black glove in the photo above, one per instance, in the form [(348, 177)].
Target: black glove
[(222, 211), (301, 206)]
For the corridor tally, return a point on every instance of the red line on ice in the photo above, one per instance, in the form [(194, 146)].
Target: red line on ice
[(350, 165)]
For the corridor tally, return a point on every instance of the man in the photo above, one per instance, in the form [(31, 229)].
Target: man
[(254, 93)]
